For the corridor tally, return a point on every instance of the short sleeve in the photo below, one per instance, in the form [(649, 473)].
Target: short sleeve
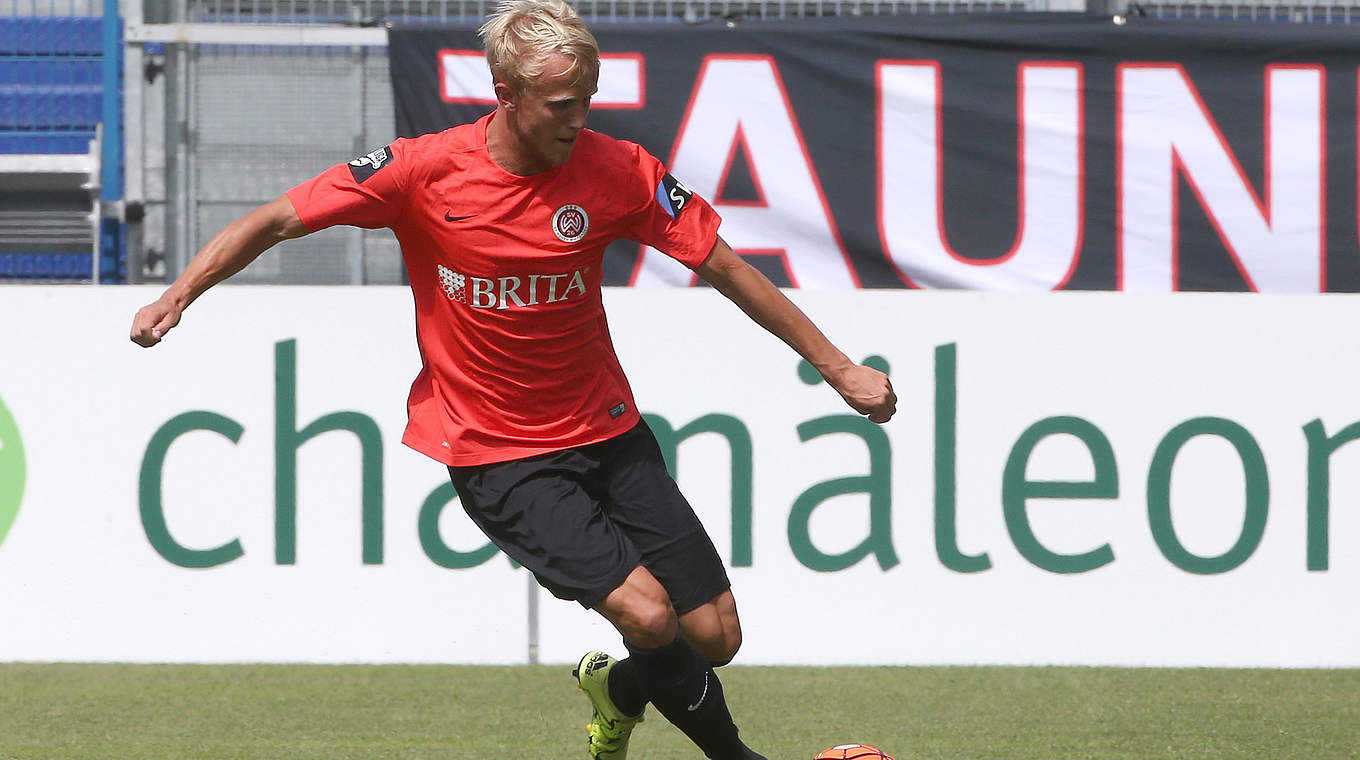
[(366, 192), (671, 218)]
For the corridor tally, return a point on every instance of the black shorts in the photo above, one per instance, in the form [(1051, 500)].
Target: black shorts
[(581, 519)]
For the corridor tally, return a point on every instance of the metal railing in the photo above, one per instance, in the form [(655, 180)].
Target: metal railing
[(378, 11), (216, 129), (51, 7), (1317, 11), (226, 127)]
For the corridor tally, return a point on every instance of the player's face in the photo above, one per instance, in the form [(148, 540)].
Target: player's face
[(550, 112)]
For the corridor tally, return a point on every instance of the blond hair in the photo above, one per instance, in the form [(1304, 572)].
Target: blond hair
[(522, 33)]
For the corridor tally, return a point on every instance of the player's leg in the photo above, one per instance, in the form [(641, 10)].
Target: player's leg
[(682, 579), (665, 669), (641, 611), (714, 629), (539, 512)]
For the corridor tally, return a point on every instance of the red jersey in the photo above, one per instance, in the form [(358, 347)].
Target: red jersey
[(506, 272)]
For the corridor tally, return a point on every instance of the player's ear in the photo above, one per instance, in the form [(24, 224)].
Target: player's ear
[(506, 97)]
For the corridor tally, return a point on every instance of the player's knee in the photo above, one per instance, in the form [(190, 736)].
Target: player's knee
[(641, 610), (650, 624), (727, 647), (733, 643), (717, 646)]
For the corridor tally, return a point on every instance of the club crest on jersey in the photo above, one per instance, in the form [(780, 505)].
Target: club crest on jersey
[(366, 166), (570, 223)]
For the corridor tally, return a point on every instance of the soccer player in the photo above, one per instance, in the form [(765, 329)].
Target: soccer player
[(503, 225)]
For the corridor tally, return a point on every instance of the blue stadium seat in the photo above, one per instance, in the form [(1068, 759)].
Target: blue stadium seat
[(89, 34), (47, 266), (51, 85), (86, 72), (13, 72), (50, 35), (67, 106), (37, 70), (55, 142), (13, 35)]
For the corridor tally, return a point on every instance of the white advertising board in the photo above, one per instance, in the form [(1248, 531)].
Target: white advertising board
[(1071, 479)]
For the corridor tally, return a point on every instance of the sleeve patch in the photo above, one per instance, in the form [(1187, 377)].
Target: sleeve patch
[(364, 167), (672, 195)]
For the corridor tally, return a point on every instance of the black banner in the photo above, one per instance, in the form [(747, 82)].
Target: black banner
[(1016, 152)]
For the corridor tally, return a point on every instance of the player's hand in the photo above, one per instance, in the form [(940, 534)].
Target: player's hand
[(867, 391), (153, 321)]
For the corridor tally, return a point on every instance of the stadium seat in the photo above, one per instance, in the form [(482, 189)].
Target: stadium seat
[(50, 209), (51, 106)]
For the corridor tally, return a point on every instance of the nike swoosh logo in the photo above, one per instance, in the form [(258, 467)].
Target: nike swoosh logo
[(695, 706), (448, 218)]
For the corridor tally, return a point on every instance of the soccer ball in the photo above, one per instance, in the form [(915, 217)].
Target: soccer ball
[(853, 752)]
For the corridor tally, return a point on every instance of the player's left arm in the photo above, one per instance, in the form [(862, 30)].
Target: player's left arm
[(865, 389)]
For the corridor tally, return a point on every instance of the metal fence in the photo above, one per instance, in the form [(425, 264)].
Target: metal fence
[(259, 120), (213, 130), (1330, 11), (378, 11), (51, 7), (256, 120)]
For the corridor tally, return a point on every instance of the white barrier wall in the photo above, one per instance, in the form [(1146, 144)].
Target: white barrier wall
[(1071, 479)]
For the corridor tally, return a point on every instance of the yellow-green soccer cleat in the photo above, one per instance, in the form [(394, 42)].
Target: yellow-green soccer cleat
[(609, 728)]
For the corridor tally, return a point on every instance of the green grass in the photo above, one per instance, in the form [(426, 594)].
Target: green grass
[(535, 713)]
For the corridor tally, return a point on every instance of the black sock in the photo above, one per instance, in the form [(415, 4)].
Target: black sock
[(625, 688), (684, 688)]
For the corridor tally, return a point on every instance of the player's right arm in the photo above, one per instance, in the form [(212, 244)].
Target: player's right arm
[(238, 244), (366, 192)]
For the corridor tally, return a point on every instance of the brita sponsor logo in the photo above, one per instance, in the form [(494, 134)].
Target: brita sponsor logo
[(11, 470), (511, 292)]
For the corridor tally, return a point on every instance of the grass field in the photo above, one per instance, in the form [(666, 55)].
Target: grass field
[(536, 713)]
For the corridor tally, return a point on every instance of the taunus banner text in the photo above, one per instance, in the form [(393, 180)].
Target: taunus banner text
[(1017, 153)]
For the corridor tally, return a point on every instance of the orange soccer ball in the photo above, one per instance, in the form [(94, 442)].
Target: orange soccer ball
[(853, 752)]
